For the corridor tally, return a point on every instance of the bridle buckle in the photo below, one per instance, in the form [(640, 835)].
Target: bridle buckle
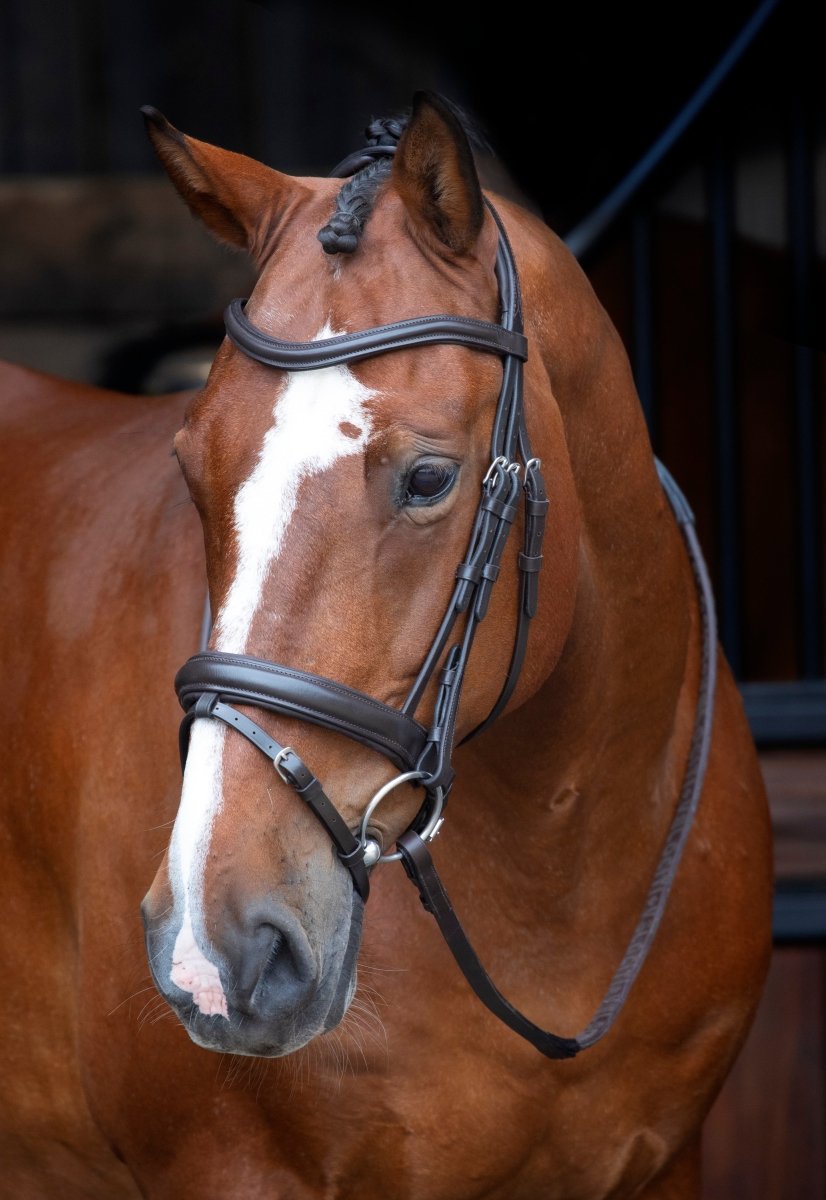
[(276, 762), (500, 463)]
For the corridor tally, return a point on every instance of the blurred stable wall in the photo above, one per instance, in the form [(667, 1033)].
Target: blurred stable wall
[(97, 248), (714, 275), (109, 278)]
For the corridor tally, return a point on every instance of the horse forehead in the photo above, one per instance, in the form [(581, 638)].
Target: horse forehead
[(438, 386), (388, 278), (319, 416)]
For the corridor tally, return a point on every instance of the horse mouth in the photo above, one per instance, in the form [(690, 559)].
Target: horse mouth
[(239, 1034), (288, 1003)]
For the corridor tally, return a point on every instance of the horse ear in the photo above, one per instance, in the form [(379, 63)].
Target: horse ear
[(233, 195), (435, 174)]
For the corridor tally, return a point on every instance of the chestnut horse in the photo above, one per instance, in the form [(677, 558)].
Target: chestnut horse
[(336, 490)]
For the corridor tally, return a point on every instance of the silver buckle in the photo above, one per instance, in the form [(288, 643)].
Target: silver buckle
[(276, 762), (499, 463)]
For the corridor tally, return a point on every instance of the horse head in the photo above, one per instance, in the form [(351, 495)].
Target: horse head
[(337, 503)]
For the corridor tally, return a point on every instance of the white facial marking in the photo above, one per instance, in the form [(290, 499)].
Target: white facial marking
[(193, 973), (321, 416), (200, 802), (305, 438)]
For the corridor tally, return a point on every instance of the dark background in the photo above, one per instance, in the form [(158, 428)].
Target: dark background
[(571, 95), (714, 271)]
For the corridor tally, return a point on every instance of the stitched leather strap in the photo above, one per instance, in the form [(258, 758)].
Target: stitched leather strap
[(420, 869), (294, 693), (530, 563), (498, 510), (345, 347), (294, 772), (361, 158)]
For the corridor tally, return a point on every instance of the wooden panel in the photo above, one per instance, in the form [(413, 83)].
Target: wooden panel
[(765, 1138), (796, 783), (113, 247)]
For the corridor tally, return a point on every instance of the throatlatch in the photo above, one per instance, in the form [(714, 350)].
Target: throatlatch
[(208, 680)]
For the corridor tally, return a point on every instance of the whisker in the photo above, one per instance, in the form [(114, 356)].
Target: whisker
[(149, 987)]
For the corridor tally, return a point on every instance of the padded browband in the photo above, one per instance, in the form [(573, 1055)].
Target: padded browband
[(329, 352), (309, 697)]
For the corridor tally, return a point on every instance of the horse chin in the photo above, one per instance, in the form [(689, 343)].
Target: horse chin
[(259, 1026), (237, 1035), (213, 1033)]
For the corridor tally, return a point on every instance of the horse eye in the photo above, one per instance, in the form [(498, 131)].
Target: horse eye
[(429, 482)]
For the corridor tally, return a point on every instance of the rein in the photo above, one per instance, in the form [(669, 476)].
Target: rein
[(208, 680)]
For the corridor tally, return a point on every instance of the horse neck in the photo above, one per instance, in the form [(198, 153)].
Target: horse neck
[(593, 759)]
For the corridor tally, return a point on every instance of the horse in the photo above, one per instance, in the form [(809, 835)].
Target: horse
[(450, 591)]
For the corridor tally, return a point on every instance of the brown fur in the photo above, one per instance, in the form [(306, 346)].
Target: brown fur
[(558, 813)]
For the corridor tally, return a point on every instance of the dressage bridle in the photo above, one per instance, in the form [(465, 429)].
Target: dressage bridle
[(211, 682)]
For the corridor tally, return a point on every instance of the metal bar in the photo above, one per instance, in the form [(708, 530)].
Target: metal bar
[(90, 86), (11, 89), (133, 75), (643, 306), (801, 245), (786, 714), (800, 913), (727, 458), (584, 235)]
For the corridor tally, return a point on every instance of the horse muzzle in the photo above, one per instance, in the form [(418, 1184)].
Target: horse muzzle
[(259, 986)]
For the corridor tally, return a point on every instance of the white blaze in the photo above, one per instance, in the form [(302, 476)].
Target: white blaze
[(200, 801), (306, 437)]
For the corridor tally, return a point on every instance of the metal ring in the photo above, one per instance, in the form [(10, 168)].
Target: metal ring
[(431, 828), (533, 464), (434, 824)]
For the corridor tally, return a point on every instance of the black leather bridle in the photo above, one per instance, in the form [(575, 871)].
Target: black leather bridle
[(210, 680), (424, 755)]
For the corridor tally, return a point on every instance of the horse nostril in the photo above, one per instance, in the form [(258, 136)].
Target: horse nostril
[(270, 964), (275, 950)]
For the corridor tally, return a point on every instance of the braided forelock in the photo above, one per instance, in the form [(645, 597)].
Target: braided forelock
[(354, 203), (357, 196)]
